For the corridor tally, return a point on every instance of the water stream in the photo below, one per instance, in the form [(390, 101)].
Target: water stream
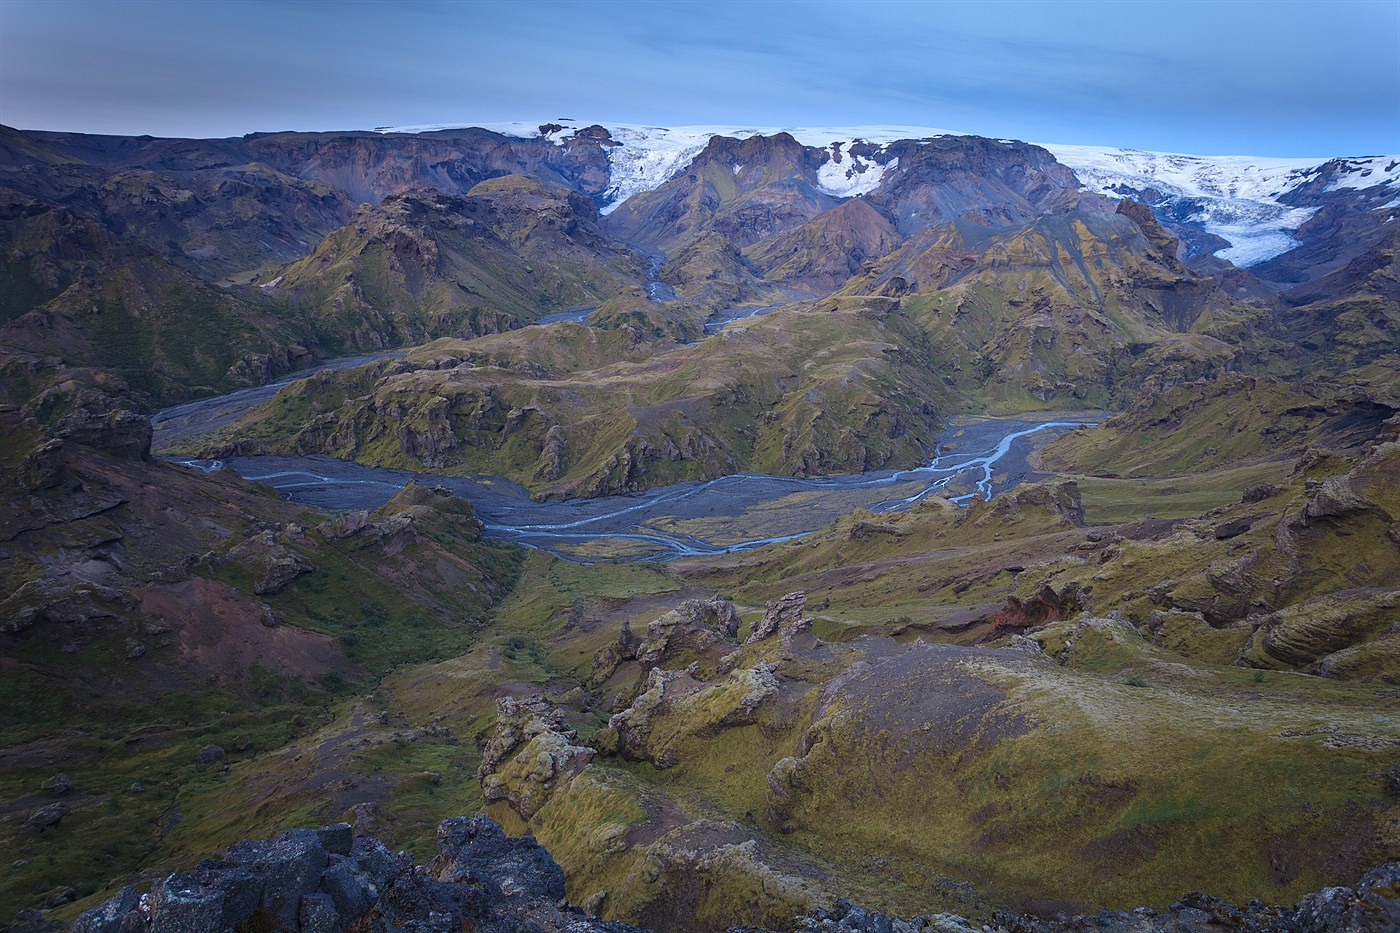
[(973, 457), (729, 513)]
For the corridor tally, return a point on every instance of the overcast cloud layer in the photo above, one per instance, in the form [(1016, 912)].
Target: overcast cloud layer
[(1259, 78)]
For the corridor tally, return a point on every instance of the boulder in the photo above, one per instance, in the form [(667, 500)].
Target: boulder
[(114, 915), (289, 866), (45, 817), (185, 903), (1259, 492), (210, 754), (271, 561), (350, 889), (59, 785), (476, 851), (318, 915), (337, 839)]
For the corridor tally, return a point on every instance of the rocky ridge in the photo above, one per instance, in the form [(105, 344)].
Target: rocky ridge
[(328, 880)]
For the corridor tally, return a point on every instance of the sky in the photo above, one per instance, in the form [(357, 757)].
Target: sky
[(1224, 77)]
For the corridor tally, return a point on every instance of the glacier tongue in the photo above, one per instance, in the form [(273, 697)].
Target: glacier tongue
[(1234, 197)]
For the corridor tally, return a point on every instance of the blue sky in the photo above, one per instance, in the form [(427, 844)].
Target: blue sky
[(1259, 78)]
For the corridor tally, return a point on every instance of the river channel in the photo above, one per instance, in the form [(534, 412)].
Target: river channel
[(973, 458)]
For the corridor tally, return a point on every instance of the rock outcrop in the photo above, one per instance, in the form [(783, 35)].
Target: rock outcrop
[(785, 617), (531, 752), (327, 881)]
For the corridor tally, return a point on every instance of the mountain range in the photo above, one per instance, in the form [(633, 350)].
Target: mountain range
[(1150, 663)]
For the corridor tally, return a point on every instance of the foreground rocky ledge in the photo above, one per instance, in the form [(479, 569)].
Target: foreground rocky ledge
[(327, 881)]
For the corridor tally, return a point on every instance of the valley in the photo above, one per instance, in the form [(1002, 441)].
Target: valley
[(762, 520), (685, 519)]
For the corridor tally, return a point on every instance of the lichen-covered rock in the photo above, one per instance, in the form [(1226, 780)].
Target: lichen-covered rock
[(289, 866), (677, 706), (786, 617), (275, 564), (188, 902), (690, 630), (114, 915), (530, 752), (787, 781), (1060, 500), (1333, 499)]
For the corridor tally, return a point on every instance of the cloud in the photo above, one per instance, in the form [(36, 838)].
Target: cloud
[(1279, 78)]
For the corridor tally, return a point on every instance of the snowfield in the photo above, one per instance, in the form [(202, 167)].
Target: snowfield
[(853, 175), (1233, 197)]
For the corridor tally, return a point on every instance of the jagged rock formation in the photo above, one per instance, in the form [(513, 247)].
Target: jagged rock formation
[(698, 631), (785, 617), (327, 880), (529, 755)]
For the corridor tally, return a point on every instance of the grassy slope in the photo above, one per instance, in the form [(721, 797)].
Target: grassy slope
[(826, 387), (172, 656)]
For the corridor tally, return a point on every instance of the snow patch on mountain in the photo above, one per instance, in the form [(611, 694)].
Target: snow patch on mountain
[(1366, 173), (852, 175), (650, 156)]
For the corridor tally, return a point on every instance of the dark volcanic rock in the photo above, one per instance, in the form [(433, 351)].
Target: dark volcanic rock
[(481, 880), (59, 785), (211, 754), (48, 816)]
